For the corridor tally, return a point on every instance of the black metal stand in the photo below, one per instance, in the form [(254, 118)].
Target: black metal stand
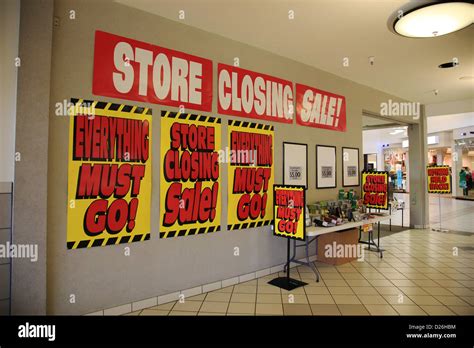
[(287, 283), (370, 240)]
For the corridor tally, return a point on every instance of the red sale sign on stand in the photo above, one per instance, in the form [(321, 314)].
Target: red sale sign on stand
[(249, 94), (135, 70), (320, 109)]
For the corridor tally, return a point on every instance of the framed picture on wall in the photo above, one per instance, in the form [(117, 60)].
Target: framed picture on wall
[(325, 166), (350, 167), (295, 164)]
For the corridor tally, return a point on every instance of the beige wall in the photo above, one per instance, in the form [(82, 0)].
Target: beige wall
[(104, 277)]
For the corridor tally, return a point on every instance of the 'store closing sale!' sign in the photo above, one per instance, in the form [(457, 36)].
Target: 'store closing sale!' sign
[(375, 189), (289, 211), (190, 200), (109, 174), (250, 174), (439, 179)]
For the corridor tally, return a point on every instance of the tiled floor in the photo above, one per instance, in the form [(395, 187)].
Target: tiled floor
[(422, 273), (457, 215)]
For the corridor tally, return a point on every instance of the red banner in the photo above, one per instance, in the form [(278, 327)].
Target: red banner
[(135, 70), (320, 109), (249, 94)]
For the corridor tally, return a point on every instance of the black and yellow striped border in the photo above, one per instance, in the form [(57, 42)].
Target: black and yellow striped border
[(190, 117), (89, 243), (190, 232), (253, 125), (111, 106), (449, 178), (252, 224)]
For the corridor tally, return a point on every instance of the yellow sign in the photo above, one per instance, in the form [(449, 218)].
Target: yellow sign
[(249, 157), (375, 189), (289, 211), (439, 179), (190, 200), (109, 174)]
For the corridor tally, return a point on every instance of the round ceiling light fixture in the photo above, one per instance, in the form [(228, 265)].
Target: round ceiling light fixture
[(435, 19)]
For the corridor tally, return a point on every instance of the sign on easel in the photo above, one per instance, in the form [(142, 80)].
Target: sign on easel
[(375, 189), (289, 216), (439, 181)]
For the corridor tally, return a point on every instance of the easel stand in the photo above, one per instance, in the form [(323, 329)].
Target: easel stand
[(287, 283), (439, 211)]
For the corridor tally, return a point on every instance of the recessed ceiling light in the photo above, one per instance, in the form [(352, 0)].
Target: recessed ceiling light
[(435, 19), (448, 65)]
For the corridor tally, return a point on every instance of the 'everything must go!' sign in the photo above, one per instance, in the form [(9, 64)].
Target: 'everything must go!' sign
[(289, 211)]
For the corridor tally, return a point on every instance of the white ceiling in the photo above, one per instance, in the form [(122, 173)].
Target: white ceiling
[(323, 32)]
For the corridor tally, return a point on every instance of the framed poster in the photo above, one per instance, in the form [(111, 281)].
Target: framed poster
[(325, 166), (295, 164), (350, 167)]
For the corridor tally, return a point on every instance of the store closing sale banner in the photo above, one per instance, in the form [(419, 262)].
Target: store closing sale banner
[(375, 189), (249, 160), (190, 200), (109, 174)]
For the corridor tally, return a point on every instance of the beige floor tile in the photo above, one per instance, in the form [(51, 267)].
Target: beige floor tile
[(351, 309), (206, 314), (353, 276), (437, 291), (214, 307), (331, 276), (165, 306), (226, 289), (398, 300), (320, 299), (340, 290), (297, 309), (346, 299), (335, 282), (412, 290), (187, 306), (243, 298), (445, 283), (296, 298), (182, 313), (408, 310), (380, 282), (269, 298), (381, 310), (467, 283), (437, 310), (316, 290), (241, 308), (269, 309), (252, 282), (403, 282), (132, 313), (461, 291), (364, 290), (462, 310), (468, 299), (424, 300), (154, 312), (374, 276), (196, 298), (426, 283), (451, 301), (245, 289), (358, 282), (372, 299), (388, 290), (268, 289), (294, 291), (218, 296), (325, 309)]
